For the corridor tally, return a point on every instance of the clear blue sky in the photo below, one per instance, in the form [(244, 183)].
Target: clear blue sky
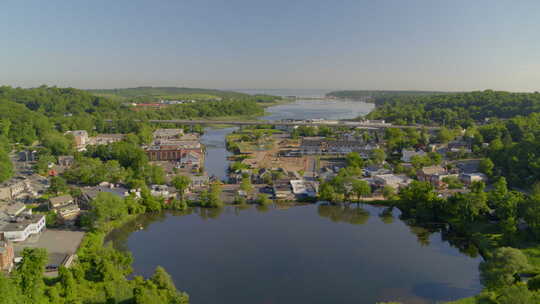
[(378, 44)]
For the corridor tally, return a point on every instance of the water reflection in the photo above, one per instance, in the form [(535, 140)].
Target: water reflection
[(216, 254), (345, 213)]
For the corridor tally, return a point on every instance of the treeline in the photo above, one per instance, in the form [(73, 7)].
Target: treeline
[(27, 115), (455, 109), (512, 148), (374, 95), (166, 91)]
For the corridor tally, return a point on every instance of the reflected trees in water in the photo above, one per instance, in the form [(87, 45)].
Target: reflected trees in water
[(345, 213)]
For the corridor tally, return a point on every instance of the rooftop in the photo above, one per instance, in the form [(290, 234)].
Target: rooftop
[(22, 222)]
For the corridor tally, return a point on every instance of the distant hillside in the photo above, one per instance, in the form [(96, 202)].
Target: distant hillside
[(373, 95), (154, 93)]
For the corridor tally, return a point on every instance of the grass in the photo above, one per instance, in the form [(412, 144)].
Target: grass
[(471, 300)]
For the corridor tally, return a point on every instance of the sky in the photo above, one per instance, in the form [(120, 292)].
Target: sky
[(334, 44)]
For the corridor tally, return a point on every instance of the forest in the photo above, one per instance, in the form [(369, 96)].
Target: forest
[(374, 95), (455, 109)]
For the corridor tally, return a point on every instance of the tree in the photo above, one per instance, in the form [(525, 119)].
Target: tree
[(389, 193), (10, 293), (502, 268), (6, 167), (378, 155), (486, 166), (360, 188), (532, 214), (57, 143), (262, 199), (246, 185), (58, 185), (106, 207), (181, 183), (444, 135), (212, 198), (518, 294), (327, 192), (29, 275), (354, 159)]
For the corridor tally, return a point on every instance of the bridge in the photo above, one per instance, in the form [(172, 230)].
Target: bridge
[(340, 123)]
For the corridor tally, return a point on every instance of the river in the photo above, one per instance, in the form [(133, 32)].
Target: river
[(303, 254)]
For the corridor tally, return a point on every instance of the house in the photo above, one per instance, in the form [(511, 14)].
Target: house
[(174, 152), (68, 213), (19, 229), (408, 154), (370, 171), (14, 188), (28, 155), (437, 180), (304, 188), (424, 174), (168, 133), (459, 146), (60, 201), (191, 157), (282, 189), (392, 180), (66, 160), (105, 139), (6, 255), (160, 191), (199, 181), (469, 178), (318, 145), (81, 139), (15, 209)]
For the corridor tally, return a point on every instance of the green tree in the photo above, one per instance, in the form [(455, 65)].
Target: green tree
[(354, 159), (379, 156), (389, 193), (360, 188), (518, 294), (29, 275), (445, 135), (486, 166), (181, 183), (6, 167), (327, 192), (58, 185), (262, 199), (9, 291), (502, 268), (246, 185)]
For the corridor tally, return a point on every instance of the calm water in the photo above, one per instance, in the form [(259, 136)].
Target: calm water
[(216, 153), (305, 254), (214, 138)]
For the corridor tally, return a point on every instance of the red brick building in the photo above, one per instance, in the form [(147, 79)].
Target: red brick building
[(6, 254)]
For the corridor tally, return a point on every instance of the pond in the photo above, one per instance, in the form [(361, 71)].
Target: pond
[(304, 254)]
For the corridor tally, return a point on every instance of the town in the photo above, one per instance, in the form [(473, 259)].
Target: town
[(281, 163)]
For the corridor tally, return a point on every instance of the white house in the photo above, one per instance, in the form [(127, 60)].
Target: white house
[(21, 228), (469, 178), (392, 180), (304, 188)]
